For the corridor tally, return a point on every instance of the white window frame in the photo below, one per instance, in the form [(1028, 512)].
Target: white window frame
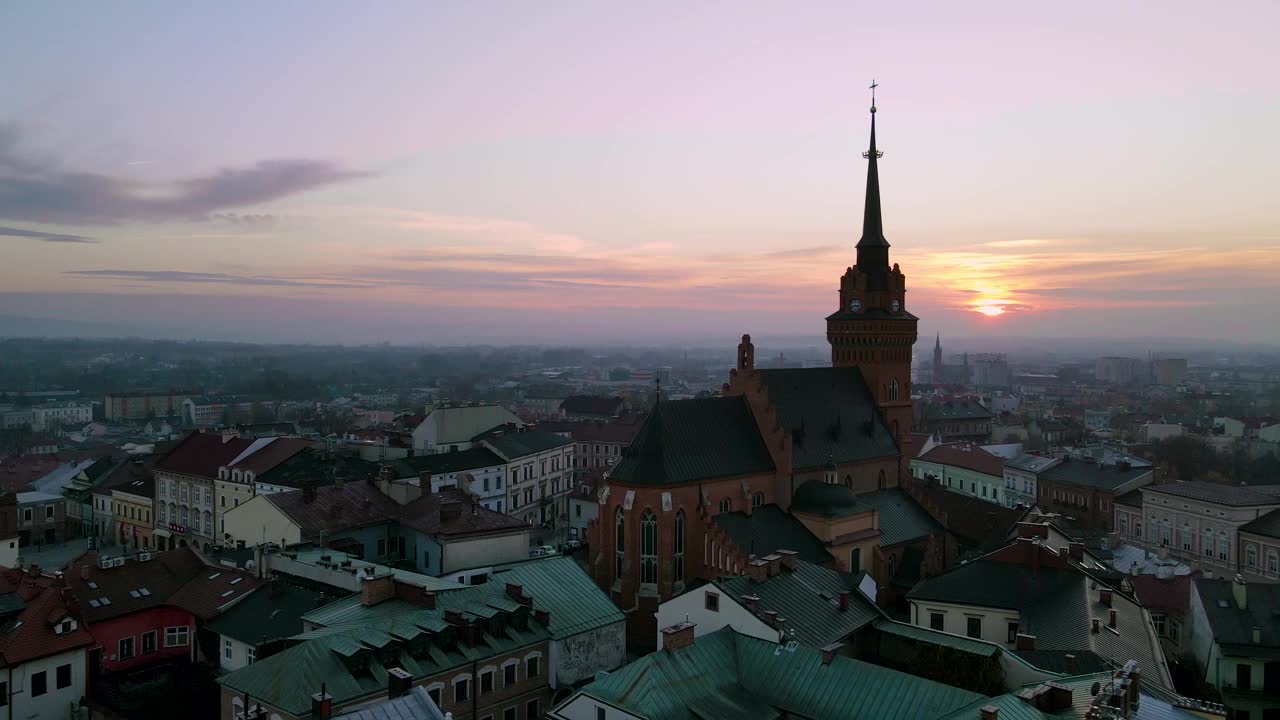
[(532, 656), (173, 633), (510, 663)]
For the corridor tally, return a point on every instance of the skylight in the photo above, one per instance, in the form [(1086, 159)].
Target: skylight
[(93, 585), (215, 576), (229, 592), (134, 594), (144, 592), (94, 603), (233, 582), (104, 600)]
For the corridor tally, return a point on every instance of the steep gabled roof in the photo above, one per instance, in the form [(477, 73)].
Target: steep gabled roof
[(767, 529), (684, 441), (830, 415), (592, 405), (31, 606), (966, 456), (201, 454), (809, 598), (514, 445), (1220, 493)]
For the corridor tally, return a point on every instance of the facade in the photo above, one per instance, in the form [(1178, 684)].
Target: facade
[(1117, 370), (450, 428), (1020, 475), (44, 646), (1260, 548), (53, 415), (964, 468), (1199, 523), (238, 480), (598, 445), (144, 405), (132, 487), (1235, 641), (41, 518), (185, 479), (1169, 371), (539, 468), (257, 627), (954, 420), (476, 470), (208, 411)]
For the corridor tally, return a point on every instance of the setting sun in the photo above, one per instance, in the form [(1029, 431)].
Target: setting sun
[(990, 310)]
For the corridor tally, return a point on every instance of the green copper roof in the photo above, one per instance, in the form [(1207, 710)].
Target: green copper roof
[(901, 518), (935, 637), (730, 676)]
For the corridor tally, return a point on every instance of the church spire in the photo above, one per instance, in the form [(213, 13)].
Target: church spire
[(873, 249)]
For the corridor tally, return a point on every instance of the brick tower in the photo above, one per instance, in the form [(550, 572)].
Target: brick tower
[(871, 329)]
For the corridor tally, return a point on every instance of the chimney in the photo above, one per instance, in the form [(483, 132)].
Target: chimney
[(308, 493), (1104, 596), (752, 602), (1076, 550), (399, 682), (677, 636), (829, 652), (424, 479), (1240, 592), (33, 570), (989, 712), (374, 590), (1071, 664), (1097, 626), (774, 561), (1023, 641), (771, 618), (1057, 697), (758, 570), (321, 704), (542, 616), (1111, 618), (844, 600), (450, 510), (515, 591), (84, 571), (788, 559)]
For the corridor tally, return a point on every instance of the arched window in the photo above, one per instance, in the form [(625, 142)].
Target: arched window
[(648, 547), (848, 481), (1224, 547), (619, 544), (677, 548), (757, 500), (1186, 537), (1153, 529), (892, 562), (726, 505), (1164, 532), (855, 560), (893, 391), (881, 482), (1208, 542)]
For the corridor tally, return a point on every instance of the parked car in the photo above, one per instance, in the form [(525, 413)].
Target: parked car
[(542, 551), (572, 545)]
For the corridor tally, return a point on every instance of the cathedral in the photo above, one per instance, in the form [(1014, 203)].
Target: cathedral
[(801, 461)]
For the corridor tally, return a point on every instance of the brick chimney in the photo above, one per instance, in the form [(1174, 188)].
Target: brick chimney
[(989, 712), (399, 682), (829, 652), (758, 570), (1097, 626), (1104, 596), (515, 591), (374, 590), (1076, 550), (1111, 618), (752, 603), (424, 479), (774, 562), (1072, 668), (1023, 641), (677, 636), (542, 616), (844, 600), (321, 704), (788, 559), (771, 618), (1240, 593), (84, 571)]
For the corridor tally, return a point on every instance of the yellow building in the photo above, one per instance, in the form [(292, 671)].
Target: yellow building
[(132, 498)]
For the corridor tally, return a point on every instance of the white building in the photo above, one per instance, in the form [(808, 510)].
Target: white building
[(61, 414), (44, 649), (539, 475), (1020, 478), (1235, 640), (477, 470), (450, 428)]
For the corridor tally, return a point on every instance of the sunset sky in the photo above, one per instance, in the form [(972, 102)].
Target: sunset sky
[(576, 171)]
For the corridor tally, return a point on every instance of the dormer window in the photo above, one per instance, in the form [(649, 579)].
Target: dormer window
[(235, 476), (64, 626), (248, 476), (222, 473)]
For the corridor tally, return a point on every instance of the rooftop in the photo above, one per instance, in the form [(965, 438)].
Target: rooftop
[(201, 454), (830, 415), (1085, 473), (522, 444), (273, 614), (684, 441), (592, 405), (1268, 525), (1221, 494), (1032, 463), (769, 528), (32, 608), (452, 462), (901, 518), (1233, 626), (809, 598), (966, 456), (956, 410)]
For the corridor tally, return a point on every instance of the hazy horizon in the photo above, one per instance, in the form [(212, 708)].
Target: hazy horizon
[(572, 173)]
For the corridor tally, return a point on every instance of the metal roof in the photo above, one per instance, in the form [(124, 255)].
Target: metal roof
[(901, 518), (809, 598), (414, 705), (830, 414), (684, 441), (769, 528), (936, 637)]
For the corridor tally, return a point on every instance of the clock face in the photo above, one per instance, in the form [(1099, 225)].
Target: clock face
[(896, 305), (855, 305)]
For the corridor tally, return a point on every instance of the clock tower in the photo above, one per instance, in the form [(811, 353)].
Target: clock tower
[(871, 328)]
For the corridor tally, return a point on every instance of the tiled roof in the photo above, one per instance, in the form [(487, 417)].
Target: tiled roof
[(272, 614), (30, 606), (201, 454), (172, 577), (338, 508), (689, 440), (977, 522), (724, 675), (270, 453), (1232, 626), (591, 405), (1222, 494), (1170, 595), (584, 431), (767, 529), (1054, 604), (809, 598), (956, 410), (1090, 474), (445, 463), (826, 499), (1268, 525), (520, 444), (830, 414), (967, 456), (901, 518), (17, 473)]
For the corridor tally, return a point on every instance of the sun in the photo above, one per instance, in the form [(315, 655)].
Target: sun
[(990, 310)]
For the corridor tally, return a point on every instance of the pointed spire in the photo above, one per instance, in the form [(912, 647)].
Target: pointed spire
[(873, 249), (937, 342)]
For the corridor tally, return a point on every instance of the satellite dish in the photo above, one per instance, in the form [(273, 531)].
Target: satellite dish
[(1095, 688)]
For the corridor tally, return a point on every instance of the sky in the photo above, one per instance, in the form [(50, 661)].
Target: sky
[(665, 171)]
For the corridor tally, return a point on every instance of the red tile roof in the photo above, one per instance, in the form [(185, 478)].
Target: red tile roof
[(969, 457), (17, 473), (1171, 596), (31, 633), (272, 454), (201, 454), (178, 577)]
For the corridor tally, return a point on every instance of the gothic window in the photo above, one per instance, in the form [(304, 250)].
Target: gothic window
[(848, 481), (893, 391), (726, 505), (648, 547), (619, 546), (757, 500), (677, 547)]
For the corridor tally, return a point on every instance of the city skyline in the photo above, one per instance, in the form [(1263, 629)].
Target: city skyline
[(565, 173)]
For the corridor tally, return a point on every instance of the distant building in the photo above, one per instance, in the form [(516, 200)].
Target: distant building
[(1169, 371), (208, 411), (592, 407), (1116, 370), (41, 518), (539, 474), (145, 404), (990, 370), (963, 468), (1086, 489), (68, 414), (1020, 476), (951, 420), (944, 374)]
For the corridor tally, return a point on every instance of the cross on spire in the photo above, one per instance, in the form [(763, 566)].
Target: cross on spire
[(874, 85)]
